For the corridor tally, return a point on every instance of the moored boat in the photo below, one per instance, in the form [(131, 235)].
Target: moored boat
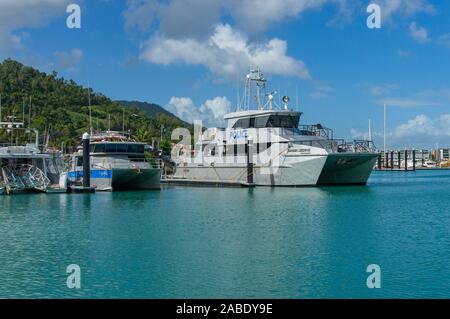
[(117, 162)]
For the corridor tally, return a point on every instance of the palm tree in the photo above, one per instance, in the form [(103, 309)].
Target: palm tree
[(142, 135)]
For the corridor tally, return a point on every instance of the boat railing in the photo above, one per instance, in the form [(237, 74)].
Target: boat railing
[(14, 145), (331, 145), (128, 164), (341, 146), (316, 130)]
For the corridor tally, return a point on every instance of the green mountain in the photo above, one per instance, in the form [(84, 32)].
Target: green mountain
[(150, 109), (60, 108)]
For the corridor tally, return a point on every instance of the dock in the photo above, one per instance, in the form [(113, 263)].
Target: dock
[(165, 181)]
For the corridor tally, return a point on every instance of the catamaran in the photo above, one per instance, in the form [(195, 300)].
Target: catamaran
[(117, 162), (25, 168), (281, 152)]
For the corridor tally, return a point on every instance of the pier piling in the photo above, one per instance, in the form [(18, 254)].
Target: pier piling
[(86, 161), (249, 151), (406, 160), (392, 160)]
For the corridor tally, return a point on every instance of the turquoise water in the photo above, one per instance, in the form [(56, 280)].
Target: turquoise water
[(210, 242)]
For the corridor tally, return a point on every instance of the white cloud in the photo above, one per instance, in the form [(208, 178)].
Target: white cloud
[(405, 53), (253, 16), (256, 15), (321, 90), (16, 15), (418, 132), (68, 61), (404, 8), (211, 112), (226, 53), (418, 33), (382, 89), (406, 102), (139, 14), (444, 40)]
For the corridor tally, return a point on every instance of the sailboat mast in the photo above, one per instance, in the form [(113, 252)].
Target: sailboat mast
[(29, 114), (90, 109)]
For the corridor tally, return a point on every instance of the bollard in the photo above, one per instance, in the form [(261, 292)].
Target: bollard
[(86, 161), (406, 160)]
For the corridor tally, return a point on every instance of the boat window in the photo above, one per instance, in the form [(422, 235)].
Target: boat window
[(110, 148), (252, 122), (283, 121), (261, 121), (121, 148), (100, 148), (134, 148), (242, 123)]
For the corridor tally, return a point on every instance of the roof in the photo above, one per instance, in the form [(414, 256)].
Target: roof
[(259, 112)]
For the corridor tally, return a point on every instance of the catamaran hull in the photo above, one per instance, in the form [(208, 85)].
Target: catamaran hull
[(127, 179), (304, 171), (121, 179), (347, 169)]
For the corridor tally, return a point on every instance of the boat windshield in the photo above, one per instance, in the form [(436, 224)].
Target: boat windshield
[(278, 121), (117, 148)]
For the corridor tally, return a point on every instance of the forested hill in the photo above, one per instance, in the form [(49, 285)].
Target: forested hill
[(151, 109), (60, 107)]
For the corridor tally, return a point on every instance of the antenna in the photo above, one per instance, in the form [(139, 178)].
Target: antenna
[(279, 96), (238, 93)]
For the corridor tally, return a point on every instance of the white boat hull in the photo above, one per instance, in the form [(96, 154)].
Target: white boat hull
[(303, 171)]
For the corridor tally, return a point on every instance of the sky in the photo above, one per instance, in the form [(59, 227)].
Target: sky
[(190, 56)]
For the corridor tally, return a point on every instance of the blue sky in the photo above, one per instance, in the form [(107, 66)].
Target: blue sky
[(186, 55)]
